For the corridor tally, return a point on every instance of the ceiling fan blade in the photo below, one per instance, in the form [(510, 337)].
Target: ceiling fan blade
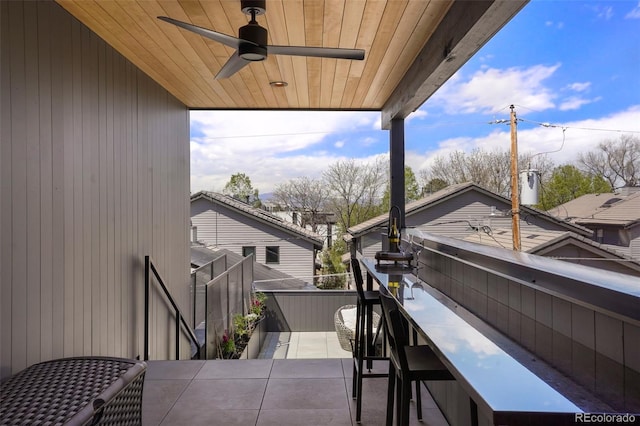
[(212, 35), (321, 52), (233, 65)]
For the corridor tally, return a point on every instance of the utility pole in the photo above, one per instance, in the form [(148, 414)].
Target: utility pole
[(515, 199)]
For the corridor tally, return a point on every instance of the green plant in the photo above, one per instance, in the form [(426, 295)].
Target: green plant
[(228, 345), (241, 325), (257, 303)]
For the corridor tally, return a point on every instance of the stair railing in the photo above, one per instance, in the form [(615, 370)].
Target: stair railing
[(149, 267)]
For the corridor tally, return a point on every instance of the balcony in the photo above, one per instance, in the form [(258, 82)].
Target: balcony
[(577, 326), (265, 392)]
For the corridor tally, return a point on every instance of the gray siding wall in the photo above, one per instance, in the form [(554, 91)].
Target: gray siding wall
[(226, 228), (305, 310), (595, 347), (94, 174), (453, 217)]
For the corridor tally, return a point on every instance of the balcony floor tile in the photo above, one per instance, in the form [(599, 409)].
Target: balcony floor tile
[(266, 392)]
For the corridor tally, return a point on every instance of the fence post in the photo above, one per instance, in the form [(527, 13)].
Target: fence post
[(177, 335), (195, 299)]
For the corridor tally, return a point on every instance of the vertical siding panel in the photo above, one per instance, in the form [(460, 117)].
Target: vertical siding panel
[(19, 185), (90, 190), (102, 193), (79, 261), (118, 126), (144, 242), (46, 182), (58, 194), (129, 238), (33, 263), (111, 281), (70, 229), (6, 242)]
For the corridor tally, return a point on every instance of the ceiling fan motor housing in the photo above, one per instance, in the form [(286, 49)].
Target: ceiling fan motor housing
[(256, 6), (253, 33)]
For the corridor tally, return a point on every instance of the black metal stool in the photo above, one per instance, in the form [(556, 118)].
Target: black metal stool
[(407, 363), (364, 348)]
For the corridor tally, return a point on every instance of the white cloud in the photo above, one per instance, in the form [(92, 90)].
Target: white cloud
[(579, 136), (579, 87), (491, 90), (606, 13), (269, 146), (634, 13), (417, 114), (559, 25), (575, 102)]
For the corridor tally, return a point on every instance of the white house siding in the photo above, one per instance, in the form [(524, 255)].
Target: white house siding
[(221, 226), (94, 174), (453, 217)]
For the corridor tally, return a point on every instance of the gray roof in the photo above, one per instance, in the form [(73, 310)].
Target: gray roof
[(613, 209), (539, 240), (260, 215), (275, 280), (450, 192), (529, 241)]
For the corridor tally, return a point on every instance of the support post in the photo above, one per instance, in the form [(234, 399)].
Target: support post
[(396, 162), (515, 199)]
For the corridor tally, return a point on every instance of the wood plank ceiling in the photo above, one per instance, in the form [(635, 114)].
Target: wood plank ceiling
[(392, 33)]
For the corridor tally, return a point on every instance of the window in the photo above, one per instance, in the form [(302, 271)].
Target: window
[(273, 254), (248, 251), (599, 235)]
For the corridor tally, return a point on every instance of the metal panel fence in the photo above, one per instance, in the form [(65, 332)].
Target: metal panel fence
[(228, 294), (199, 279)]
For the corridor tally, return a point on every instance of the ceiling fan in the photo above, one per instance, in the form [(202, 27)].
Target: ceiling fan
[(251, 43)]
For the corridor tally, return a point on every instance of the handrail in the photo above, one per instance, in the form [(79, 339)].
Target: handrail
[(149, 266)]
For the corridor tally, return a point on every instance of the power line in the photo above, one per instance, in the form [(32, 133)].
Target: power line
[(595, 129)]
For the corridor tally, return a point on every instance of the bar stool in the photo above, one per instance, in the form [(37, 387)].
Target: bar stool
[(364, 348), (407, 364)]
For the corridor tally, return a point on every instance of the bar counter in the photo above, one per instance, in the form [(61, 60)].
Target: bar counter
[(501, 389)]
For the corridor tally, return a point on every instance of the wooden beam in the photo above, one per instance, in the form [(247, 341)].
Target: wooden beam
[(466, 27)]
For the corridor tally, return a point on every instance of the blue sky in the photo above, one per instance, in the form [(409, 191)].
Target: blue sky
[(573, 64)]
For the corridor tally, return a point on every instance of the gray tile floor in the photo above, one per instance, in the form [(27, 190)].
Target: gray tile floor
[(299, 345), (265, 392)]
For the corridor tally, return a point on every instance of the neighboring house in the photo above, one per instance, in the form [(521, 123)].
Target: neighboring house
[(264, 277), (325, 226), (223, 222), (614, 218), (563, 245), (458, 211)]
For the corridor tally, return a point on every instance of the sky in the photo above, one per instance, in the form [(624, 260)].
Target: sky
[(570, 68)]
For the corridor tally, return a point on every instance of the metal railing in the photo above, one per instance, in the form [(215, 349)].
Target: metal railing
[(200, 277), (226, 295), (149, 267)]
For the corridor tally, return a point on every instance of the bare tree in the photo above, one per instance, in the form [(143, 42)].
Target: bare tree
[(618, 161), (307, 196), (355, 190), (491, 170)]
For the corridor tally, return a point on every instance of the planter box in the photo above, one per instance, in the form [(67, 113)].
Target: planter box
[(252, 350)]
